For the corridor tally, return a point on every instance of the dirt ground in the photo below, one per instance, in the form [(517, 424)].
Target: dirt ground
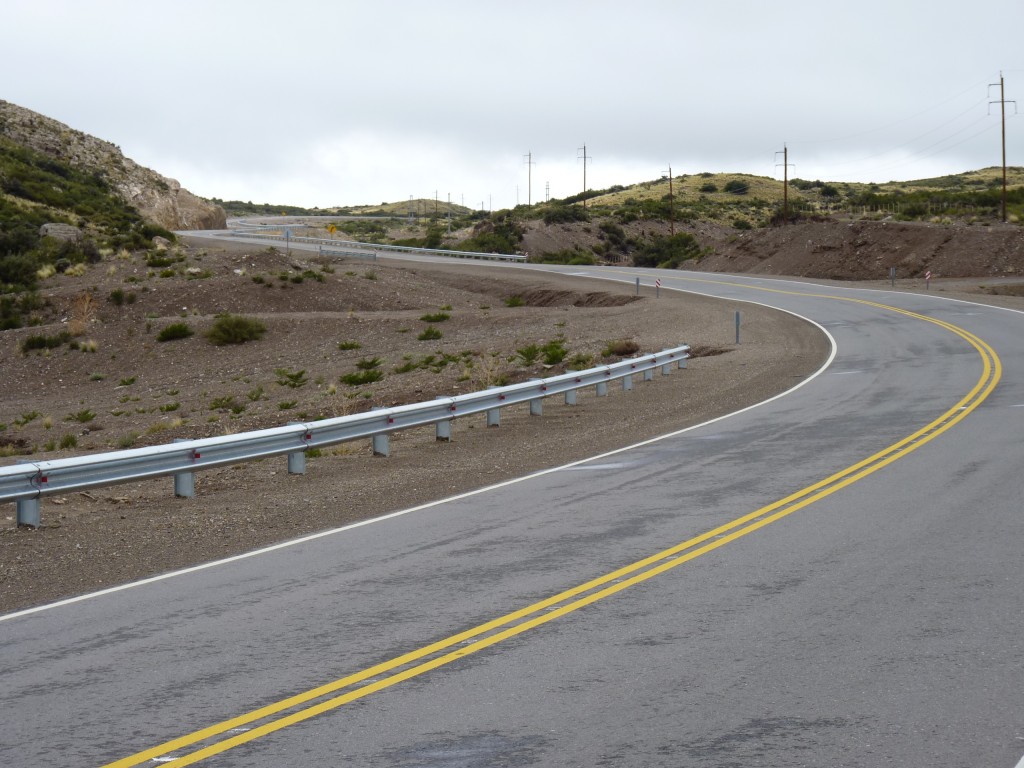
[(123, 388), (114, 385)]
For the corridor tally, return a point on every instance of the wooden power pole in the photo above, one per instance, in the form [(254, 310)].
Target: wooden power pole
[(671, 205), (585, 158), (785, 182), (1002, 109)]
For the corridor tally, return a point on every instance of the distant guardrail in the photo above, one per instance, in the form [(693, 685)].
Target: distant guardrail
[(353, 245), (347, 254), (28, 482)]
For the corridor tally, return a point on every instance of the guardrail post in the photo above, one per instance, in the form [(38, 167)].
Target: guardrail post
[(570, 396), (602, 389), (297, 459), (537, 403), (649, 374), (27, 509), (627, 382), (381, 442), (666, 369), (443, 431), (28, 512), (184, 482), (494, 415), (682, 361)]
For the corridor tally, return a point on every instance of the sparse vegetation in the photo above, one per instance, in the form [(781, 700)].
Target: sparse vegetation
[(435, 317), (292, 379), (362, 378), (620, 348), (430, 333), (45, 342), (235, 329), (175, 331)]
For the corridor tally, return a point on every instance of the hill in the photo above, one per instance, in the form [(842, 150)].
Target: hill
[(158, 200)]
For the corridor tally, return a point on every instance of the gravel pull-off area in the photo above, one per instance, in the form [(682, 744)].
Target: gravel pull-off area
[(109, 536)]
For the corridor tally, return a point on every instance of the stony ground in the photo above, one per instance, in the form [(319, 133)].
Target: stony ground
[(122, 387), (113, 385)]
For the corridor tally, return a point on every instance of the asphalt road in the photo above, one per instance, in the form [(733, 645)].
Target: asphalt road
[(832, 578)]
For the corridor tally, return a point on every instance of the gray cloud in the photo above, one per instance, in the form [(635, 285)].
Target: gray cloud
[(326, 103)]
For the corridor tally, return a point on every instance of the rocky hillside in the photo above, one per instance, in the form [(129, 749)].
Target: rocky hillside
[(159, 200)]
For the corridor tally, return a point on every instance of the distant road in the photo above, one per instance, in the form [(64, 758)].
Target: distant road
[(831, 578)]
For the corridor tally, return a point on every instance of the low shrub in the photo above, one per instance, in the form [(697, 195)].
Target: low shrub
[(360, 378), (620, 348), (175, 331), (45, 342), (235, 329), (430, 333)]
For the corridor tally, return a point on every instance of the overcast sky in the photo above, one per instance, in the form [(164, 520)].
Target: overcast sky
[(318, 103)]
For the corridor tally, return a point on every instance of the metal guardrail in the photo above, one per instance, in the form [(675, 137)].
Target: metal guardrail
[(347, 254), (26, 483), (375, 247)]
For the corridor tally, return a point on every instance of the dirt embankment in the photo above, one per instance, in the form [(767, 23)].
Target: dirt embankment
[(865, 250), (116, 385), (832, 250)]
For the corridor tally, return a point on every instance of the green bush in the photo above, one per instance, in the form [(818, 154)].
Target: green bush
[(571, 256), (737, 187), (430, 333), (668, 252), (45, 342), (436, 317), (360, 378), (564, 214), (235, 329), (528, 355), (346, 345), (554, 352), (293, 379), (175, 331), (709, 187)]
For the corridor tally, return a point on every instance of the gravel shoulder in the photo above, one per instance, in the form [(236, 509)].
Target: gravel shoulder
[(114, 535)]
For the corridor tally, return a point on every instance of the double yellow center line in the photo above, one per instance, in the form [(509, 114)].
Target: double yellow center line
[(245, 728)]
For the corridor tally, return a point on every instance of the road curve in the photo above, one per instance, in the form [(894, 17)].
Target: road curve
[(830, 578)]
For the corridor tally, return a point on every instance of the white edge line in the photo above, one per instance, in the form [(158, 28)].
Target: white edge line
[(428, 505)]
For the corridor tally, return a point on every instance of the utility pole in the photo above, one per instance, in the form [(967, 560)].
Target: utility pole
[(585, 158), (1002, 107), (547, 191), (529, 177), (671, 205), (785, 182)]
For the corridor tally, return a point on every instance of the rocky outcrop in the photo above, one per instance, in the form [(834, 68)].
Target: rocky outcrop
[(158, 199)]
